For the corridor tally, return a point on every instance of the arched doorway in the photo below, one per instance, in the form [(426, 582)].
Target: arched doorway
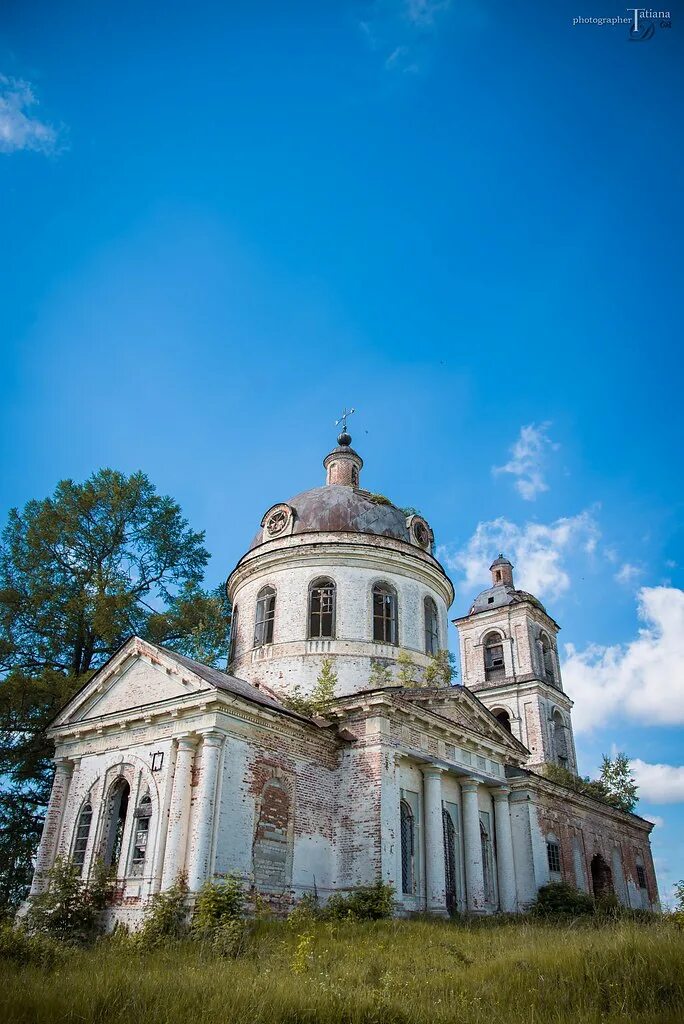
[(601, 877)]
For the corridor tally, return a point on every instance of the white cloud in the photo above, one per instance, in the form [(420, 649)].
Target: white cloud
[(659, 783), (537, 550), (627, 573), (528, 460), (400, 60), (642, 680), (401, 30), (424, 12), (18, 129)]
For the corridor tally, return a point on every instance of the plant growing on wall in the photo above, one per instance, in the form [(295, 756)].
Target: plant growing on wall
[(322, 695), (380, 675), (407, 670), (441, 669)]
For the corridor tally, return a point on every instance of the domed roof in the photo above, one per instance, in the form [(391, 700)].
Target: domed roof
[(498, 597), (336, 508)]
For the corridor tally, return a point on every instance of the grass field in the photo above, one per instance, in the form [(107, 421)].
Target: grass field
[(388, 971)]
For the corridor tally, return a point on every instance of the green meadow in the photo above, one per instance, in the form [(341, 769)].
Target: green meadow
[(412, 972)]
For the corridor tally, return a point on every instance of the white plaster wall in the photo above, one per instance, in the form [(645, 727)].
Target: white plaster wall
[(292, 659)]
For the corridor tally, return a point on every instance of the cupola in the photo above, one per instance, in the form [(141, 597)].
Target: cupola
[(502, 572), (343, 465)]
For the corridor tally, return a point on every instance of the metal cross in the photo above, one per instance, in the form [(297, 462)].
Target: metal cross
[(343, 418)]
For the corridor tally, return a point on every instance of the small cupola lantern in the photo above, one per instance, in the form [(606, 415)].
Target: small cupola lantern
[(343, 464), (502, 572)]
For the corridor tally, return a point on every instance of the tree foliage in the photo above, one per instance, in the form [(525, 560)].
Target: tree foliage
[(321, 697), (80, 572), (616, 776), (615, 787)]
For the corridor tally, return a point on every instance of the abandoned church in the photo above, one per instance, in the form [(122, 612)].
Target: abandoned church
[(167, 766)]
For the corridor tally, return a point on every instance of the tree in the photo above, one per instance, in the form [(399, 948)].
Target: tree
[(441, 669), (80, 572), (380, 675), (616, 776), (322, 695), (406, 670)]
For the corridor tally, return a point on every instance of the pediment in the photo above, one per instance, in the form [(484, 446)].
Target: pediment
[(135, 678), (459, 705)]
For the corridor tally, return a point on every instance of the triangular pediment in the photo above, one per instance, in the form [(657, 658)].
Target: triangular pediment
[(459, 705), (138, 676)]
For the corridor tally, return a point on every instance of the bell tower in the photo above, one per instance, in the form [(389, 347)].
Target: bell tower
[(509, 658)]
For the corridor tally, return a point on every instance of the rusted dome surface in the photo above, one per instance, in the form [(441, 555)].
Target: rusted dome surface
[(340, 509), (498, 597)]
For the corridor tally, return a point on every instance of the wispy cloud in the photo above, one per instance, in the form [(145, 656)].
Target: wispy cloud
[(642, 680), (539, 552), (19, 128), (659, 783), (399, 31), (528, 460), (627, 573), (424, 12)]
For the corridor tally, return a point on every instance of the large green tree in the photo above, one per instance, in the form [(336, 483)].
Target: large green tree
[(80, 572)]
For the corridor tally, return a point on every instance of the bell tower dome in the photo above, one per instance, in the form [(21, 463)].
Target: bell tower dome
[(509, 657)]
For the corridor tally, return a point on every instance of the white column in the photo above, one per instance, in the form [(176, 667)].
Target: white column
[(53, 823), (504, 851), (200, 853), (472, 842), (435, 882), (179, 812)]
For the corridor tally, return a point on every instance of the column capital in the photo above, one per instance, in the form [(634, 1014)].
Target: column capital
[(212, 738), (187, 742), (500, 792), (65, 765), (469, 785), (519, 796), (432, 770)]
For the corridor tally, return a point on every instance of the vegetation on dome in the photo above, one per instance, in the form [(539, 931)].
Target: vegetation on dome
[(440, 671), (378, 499)]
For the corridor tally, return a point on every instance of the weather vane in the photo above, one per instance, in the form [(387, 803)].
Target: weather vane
[(343, 419)]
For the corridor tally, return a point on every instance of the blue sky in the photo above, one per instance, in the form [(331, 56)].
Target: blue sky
[(223, 222)]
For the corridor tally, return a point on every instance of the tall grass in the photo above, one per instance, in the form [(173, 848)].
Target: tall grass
[(382, 972)]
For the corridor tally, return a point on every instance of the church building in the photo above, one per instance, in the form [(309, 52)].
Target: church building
[(167, 766)]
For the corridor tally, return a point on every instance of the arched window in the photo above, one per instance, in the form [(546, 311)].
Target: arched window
[(407, 849), (355, 477), (494, 656), (143, 814), (431, 626), (450, 861), (265, 617), (503, 717), (116, 823), (553, 855), (487, 857), (385, 620), (322, 609), (233, 635), (560, 739), (547, 658), (81, 838)]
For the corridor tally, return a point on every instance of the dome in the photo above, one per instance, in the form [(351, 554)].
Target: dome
[(498, 597), (336, 508)]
